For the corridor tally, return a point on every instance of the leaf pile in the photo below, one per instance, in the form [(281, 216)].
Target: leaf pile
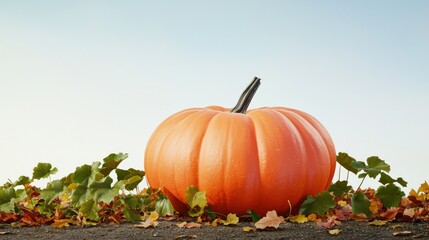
[(103, 193), (89, 195)]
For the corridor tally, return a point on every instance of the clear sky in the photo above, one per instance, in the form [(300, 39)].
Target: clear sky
[(82, 79)]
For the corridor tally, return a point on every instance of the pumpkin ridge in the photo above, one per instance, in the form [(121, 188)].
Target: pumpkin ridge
[(313, 148)]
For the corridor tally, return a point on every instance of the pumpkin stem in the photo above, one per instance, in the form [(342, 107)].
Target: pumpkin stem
[(246, 96)]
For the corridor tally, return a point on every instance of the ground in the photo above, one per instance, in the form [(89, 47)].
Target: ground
[(169, 230)]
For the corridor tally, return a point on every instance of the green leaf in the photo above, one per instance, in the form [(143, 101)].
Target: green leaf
[(52, 190), (80, 195), (22, 180), (102, 190), (131, 181), (163, 206), (210, 213), (130, 201), (82, 174), (43, 170), (339, 188), (7, 199), (254, 215), (196, 200), (346, 161), (319, 204), (131, 215), (90, 210), (374, 168), (360, 204), (386, 179), (111, 162), (390, 195)]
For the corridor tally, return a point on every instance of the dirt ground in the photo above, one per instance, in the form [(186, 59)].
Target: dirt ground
[(169, 230)]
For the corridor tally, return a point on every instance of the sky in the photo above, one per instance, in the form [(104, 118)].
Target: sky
[(82, 79)]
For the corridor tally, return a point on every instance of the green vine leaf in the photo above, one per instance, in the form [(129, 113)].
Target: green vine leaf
[(7, 199), (196, 200), (52, 190), (339, 188), (111, 162), (360, 204), (347, 162), (390, 195), (374, 168), (319, 204), (386, 179), (163, 206), (43, 170)]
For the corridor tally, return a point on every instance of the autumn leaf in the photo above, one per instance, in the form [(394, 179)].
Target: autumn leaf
[(378, 223), (150, 221), (271, 220), (248, 229), (230, 219), (402, 233), (313, 218), (300, 218), (335, 231), (330, 222), (188, 225), (61, 223), (389, 214)]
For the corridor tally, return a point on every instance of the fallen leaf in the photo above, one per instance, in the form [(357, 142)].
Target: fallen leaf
[(378, 223), (389, 214), (409, 212), (188, 225), (330, 222), (313, 218), (397, 226), (402, 233), (61, 223), (4, 233), (420, 235), (248, 229), (300, 218), (186, 236), (342, 203), (335, 231), (271, 220), (147, 223), (230, 219)]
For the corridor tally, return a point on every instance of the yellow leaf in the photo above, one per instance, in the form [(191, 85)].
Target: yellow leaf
[(334, 231), (270, 220), (424, 188), (230, 219), (300, 218), (60, 223), (378, 223), (154, 215), (147, 223), (397, 226), (342, 203), (248, 229), (313, 218)]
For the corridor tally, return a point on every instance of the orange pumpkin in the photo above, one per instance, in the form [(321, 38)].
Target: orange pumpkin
[(261, 159)]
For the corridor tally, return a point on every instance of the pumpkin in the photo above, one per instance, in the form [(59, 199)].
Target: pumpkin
[(263, 159)]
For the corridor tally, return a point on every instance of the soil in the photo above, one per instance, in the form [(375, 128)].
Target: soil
[(169, 230)]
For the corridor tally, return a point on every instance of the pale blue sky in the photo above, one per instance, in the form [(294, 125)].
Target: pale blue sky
[(82, 79)]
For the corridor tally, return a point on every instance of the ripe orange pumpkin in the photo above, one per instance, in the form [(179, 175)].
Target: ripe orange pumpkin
[(261, 159)]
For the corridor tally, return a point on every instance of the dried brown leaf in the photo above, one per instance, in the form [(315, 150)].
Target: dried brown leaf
[(188, 225), (271, 220), (402, 233)]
